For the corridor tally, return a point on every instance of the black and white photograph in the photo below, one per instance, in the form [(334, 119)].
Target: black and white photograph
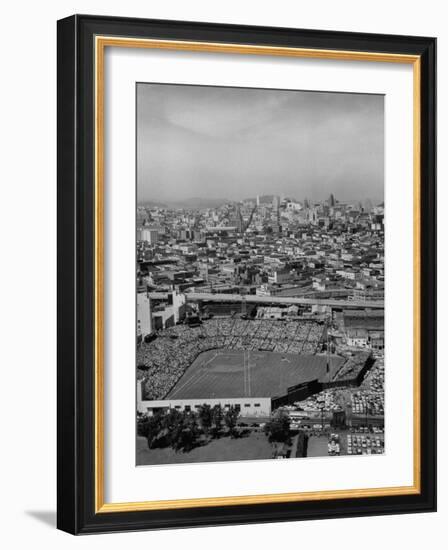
[(260, 274)]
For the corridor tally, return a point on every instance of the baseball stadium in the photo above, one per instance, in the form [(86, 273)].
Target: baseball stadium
[(255, 365)]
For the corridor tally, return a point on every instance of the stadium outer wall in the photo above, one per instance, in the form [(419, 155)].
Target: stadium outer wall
[(248, 406), (253, 406)]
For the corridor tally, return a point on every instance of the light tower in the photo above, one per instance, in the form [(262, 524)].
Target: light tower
[(243, 307)]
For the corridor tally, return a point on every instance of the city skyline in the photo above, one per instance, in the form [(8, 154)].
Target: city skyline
[(234, 144), (265, 200)]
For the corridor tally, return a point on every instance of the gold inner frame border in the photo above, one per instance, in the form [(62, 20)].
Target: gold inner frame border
[(100, 44)]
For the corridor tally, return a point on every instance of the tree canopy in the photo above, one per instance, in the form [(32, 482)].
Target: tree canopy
[(278, 428)]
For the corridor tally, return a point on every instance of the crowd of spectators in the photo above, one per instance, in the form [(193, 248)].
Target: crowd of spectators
[(352, 368), (289, 336), (161, 362)]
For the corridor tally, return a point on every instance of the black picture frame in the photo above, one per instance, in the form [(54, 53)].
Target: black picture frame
[(76, 258)]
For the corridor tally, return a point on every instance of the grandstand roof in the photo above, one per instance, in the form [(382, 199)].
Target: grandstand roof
[(238, 374)]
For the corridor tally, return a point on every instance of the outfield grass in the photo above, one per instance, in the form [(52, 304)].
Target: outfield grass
[(252, 447), (238, 374)]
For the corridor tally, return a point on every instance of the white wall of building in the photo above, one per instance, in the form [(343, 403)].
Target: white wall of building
[(179, 306), (150, 235), (144, 316), (249, 407)]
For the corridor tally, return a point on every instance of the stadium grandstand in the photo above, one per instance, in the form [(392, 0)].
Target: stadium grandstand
[(253, 364)]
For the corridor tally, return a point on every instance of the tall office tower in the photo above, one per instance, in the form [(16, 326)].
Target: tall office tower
[(258, 201), (237, 219), (368, 206), (276, 214), (331, 200), (312, 216)]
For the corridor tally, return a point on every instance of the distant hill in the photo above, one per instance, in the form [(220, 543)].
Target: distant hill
[(192, 203), (264, 199), (267, 199), (199, 202), (152, 204)]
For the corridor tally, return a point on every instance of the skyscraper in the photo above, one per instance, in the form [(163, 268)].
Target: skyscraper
[(276, 214), (237, 219)]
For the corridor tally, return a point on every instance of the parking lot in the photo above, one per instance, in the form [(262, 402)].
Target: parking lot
[(363, 441)]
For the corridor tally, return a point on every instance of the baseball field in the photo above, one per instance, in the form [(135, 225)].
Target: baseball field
[(230, 373)]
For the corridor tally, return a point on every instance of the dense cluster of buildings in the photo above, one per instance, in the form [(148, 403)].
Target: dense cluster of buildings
[(266, 247)]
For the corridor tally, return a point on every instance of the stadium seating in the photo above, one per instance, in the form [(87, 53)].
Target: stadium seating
[(165, 359)]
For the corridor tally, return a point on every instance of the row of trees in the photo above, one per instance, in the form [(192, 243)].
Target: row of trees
[(278, 429), (185, 430)]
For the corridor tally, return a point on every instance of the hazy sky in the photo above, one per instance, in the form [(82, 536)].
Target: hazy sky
[(235, 143)]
